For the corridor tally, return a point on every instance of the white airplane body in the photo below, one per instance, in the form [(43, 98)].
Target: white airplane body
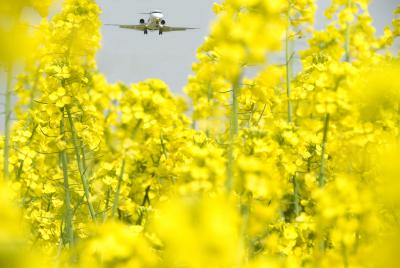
[(155, 22)]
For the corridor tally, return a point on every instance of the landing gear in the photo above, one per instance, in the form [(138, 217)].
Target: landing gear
[(160, 32), (145, 31)]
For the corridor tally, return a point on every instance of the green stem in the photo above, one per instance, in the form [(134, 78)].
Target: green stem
[(80, 165), (136, 128), (146, 199), (106, 207), (85, 168), (193, 125), (163, 149), (117, 192), (345, 256), (233, 131), (116, 197), (229, 182), (59, 248), (321, 177), (261, 115), (347, 44), (251, 114), (288, 56), (347, 37), (7, 121), (296, 196), (209, 98), (67, 198), (243, 244)]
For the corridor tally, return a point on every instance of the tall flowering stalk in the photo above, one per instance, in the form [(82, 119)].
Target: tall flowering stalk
[(7, 120), (60, 120), (299, 15), (80, 161), (69, 229), (222, 44), (321, 175), (16, 44)]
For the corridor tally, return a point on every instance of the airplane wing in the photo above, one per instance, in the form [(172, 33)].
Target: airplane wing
[(132, 27), (173, 29)]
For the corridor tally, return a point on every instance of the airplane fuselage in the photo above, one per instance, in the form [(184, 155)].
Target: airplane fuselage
[(155, 21)]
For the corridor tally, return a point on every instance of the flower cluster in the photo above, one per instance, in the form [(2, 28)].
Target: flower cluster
[(274, 167)]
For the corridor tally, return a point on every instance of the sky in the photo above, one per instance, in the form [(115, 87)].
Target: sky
[(130, 56)]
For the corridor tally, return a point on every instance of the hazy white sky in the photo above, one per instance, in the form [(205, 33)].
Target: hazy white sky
[(129, 56)]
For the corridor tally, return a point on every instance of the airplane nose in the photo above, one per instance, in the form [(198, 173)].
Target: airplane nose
[(158, 16)]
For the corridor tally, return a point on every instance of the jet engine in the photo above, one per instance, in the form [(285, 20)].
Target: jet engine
[(162, 22), (141, 21)]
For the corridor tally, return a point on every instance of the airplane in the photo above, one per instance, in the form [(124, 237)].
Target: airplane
[(155, 22)]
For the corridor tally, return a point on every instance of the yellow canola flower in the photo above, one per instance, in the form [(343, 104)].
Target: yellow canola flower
[(117, 245), (16, 40), (15, 249), (378, 93), (198, 232)]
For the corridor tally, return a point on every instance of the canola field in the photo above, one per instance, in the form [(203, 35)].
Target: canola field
[(287, 168)]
